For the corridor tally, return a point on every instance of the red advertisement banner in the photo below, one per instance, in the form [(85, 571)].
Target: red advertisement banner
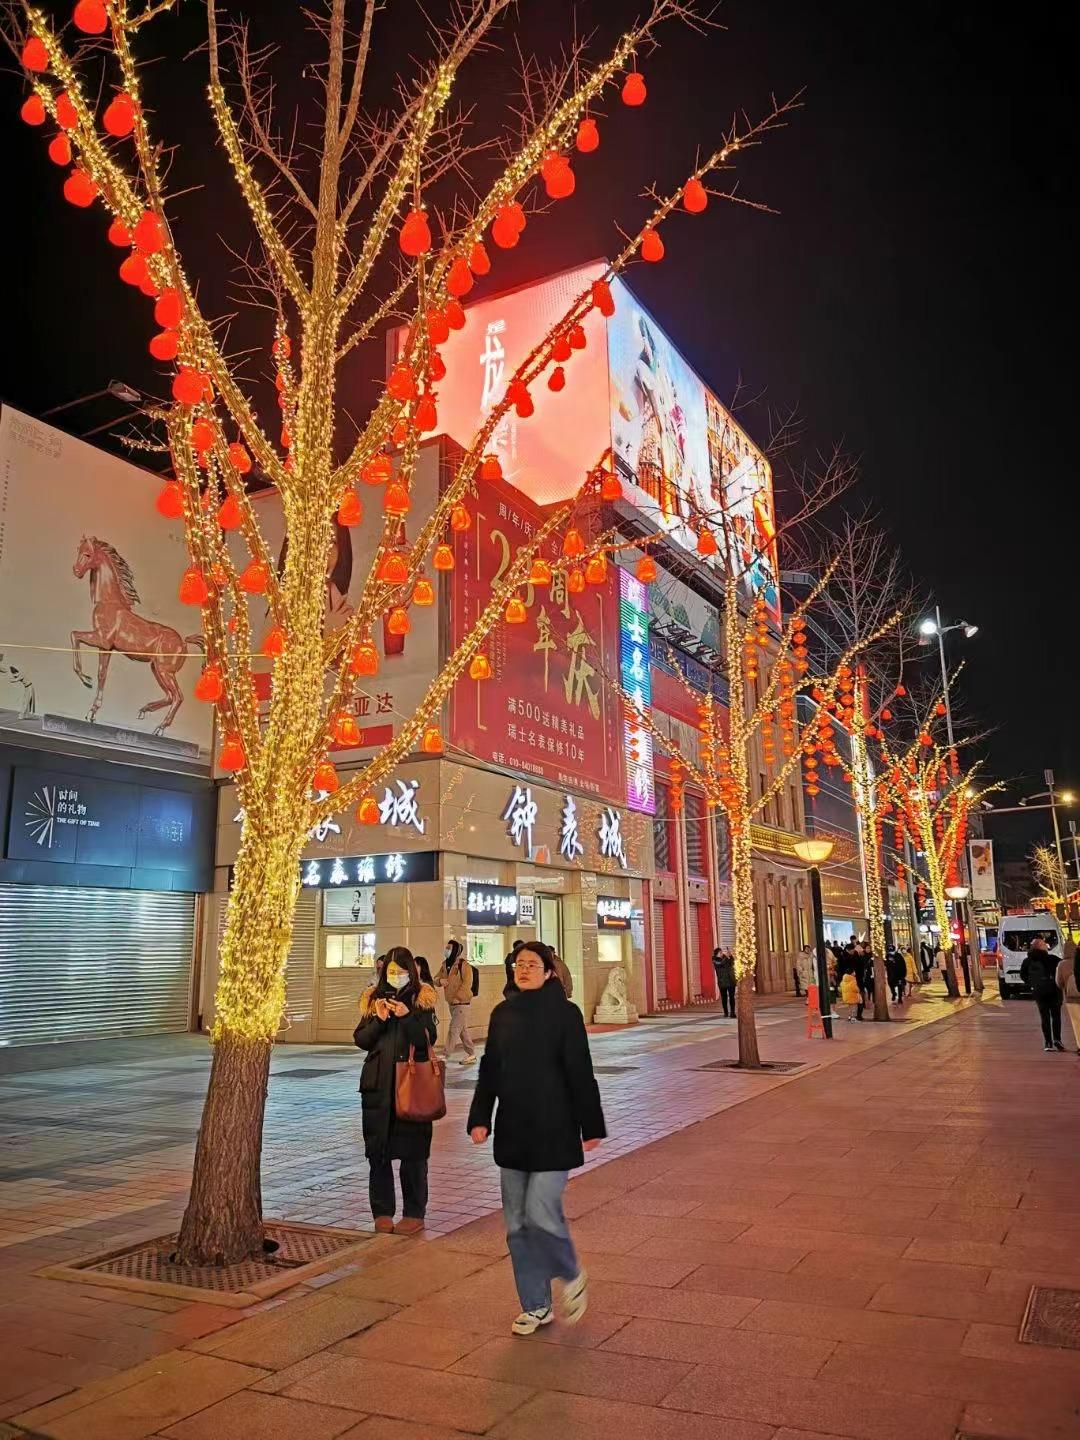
[(547, 712)]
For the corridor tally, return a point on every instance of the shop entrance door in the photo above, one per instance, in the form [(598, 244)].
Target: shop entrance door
[(549, 921)]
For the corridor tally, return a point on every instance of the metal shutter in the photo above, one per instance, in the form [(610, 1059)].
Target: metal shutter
[(77, 963), (659, 967), (300, 968), (726, 918), (693, 942)]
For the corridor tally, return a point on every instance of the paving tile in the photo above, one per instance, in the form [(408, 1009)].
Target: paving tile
[(652, 1302), (944, 1302), (902, 1332), (254, 1416), (585, 1418), (1022, 1422), (999, 1342), (776, 1232), (430, 1347), (948, 1375), (421, 1271), (427, 1397), (155, 1403), (661, 1271), (280, 1337), (736, 1252), (642, 1380), (766, 1354), (815, 1405), (381, 1427)]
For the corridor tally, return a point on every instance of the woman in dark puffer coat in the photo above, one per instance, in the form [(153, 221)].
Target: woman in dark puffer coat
[(396, 1012)]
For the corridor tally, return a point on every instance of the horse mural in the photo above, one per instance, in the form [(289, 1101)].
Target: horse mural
[(117, 627)]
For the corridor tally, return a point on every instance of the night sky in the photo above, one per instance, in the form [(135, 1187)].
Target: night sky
[(914, 297)]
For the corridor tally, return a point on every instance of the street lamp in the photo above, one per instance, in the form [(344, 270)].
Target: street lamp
[(927, 628), (813, 851)]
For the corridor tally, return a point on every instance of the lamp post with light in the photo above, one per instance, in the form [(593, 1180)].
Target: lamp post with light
[(928, 628), (814, 852)]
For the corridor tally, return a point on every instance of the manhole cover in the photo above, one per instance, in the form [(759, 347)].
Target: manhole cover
[(1052, 1318), (302, 1074), (769, 1067), (303, 1250)]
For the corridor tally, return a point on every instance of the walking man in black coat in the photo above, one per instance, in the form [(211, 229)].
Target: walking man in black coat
[(538, 1069), (1039, 970)]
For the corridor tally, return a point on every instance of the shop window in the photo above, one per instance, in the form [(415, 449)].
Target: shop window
[(804, 934), (355, 951), (662, 830), (696, 862), (486, 947), (770, 920), (609, 949), (785, 926)]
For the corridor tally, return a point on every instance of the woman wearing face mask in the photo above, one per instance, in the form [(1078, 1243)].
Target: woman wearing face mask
[(396, 1012), (537, 1067)]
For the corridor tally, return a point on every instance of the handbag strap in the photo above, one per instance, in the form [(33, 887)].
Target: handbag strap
[(433, 1059)]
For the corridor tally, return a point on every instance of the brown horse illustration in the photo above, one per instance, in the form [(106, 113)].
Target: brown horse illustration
[(117, 627)]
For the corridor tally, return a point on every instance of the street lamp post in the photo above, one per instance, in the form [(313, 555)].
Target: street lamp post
[(927, 629), (814, 852)]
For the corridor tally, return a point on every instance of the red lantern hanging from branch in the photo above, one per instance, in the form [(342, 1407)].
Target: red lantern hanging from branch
[(90, 17), (193, 587), (588, 136), (34, 55), (119, 116), (210, 686), (634, 91), (170, 501), (415, 235)]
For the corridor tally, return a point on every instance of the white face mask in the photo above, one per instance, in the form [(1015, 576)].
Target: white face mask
[(398, 981)]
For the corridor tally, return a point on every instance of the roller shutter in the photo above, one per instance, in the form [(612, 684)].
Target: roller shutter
[(78, 964)]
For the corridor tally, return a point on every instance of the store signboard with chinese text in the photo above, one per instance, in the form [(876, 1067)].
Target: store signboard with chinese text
[(613, 912), (349, 871), (636, 677), (547, 713), (491, 904)]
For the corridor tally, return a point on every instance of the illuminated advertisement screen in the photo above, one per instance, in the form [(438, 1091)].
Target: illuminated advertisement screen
[(636, 679), (547, 455)]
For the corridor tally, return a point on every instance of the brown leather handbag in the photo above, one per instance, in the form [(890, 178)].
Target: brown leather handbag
[(419, 1087)]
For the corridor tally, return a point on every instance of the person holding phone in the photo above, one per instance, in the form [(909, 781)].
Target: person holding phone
[(397, 1012), (537, 1070)]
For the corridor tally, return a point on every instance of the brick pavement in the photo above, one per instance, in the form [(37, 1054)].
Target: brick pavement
[(848, 1253)]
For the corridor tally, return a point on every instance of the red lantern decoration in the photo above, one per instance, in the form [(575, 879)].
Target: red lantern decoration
[(119, 235), (60, 150), (254, 579), (560, 349), (575, 580), (652, 247), (345, 729), (79, 189), (431, 742), (398, 622), (508, 225), (377, 470), (557, 379), (490, 469), (540, 573), (67, 117), (596, 571), (557, 175), (479, 261), (202, 436), (460, 519), (33, 110), (706, 543), (350, 512), (210, 686), (90, 17), (364, 659), (325, 778), (274, 644), (633, 90), (231, 756), (187, 387), (425, 416), (515, 613), (229, 515), (367, 812), (119, 116), (393, 568), (646, 570), (611, 488), (193, 587), (396, 499), (443, 558), (901, 690), (602, 298), (588, 136), (576, 337), (480, 668), (239, 458), (695, 196), (455, 315), (170, 501), (133, 270), (34, 55), (573, 544), (423, 592), (165, 346), (402, 382), (459, 280), (415, 235), (149, 234), (438, 329), (169, 310), (939, 708)]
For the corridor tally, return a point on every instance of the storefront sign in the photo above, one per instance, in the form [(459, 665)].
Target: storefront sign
[(491, 905), (570, 846), (637, 684), (520, 815), (983, 882), (526, 909), (612, 913), (401, 808), (610, 836), (399, 867)]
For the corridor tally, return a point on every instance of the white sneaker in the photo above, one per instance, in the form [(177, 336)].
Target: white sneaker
[(575, 1298), (530, 1321), (469, 1060)]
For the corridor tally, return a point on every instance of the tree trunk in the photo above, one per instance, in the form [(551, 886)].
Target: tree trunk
[(868, 833), (952, 985), (746, 1026), (223, 1220)]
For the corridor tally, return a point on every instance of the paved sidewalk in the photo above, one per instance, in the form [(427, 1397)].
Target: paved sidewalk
[(847, 1253)]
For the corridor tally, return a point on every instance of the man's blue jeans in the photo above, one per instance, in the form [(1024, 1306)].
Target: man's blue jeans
[(537, 1234)]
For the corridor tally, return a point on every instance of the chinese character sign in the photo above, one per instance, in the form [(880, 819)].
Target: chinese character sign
[(547, 712), (636, 679)]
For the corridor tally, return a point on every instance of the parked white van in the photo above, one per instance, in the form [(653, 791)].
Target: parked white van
[(1015, 934)]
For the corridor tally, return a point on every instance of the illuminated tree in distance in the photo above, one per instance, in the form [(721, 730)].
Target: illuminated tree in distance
[(358, 196)]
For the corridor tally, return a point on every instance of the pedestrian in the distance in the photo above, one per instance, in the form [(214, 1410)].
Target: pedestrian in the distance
[(805, 971), (724, 966), (397, 1012), (455, 979), (1039, 970), (562, 970), (850, 994), (926, 960), (537, 1071), (911, 973), (896, 974)]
